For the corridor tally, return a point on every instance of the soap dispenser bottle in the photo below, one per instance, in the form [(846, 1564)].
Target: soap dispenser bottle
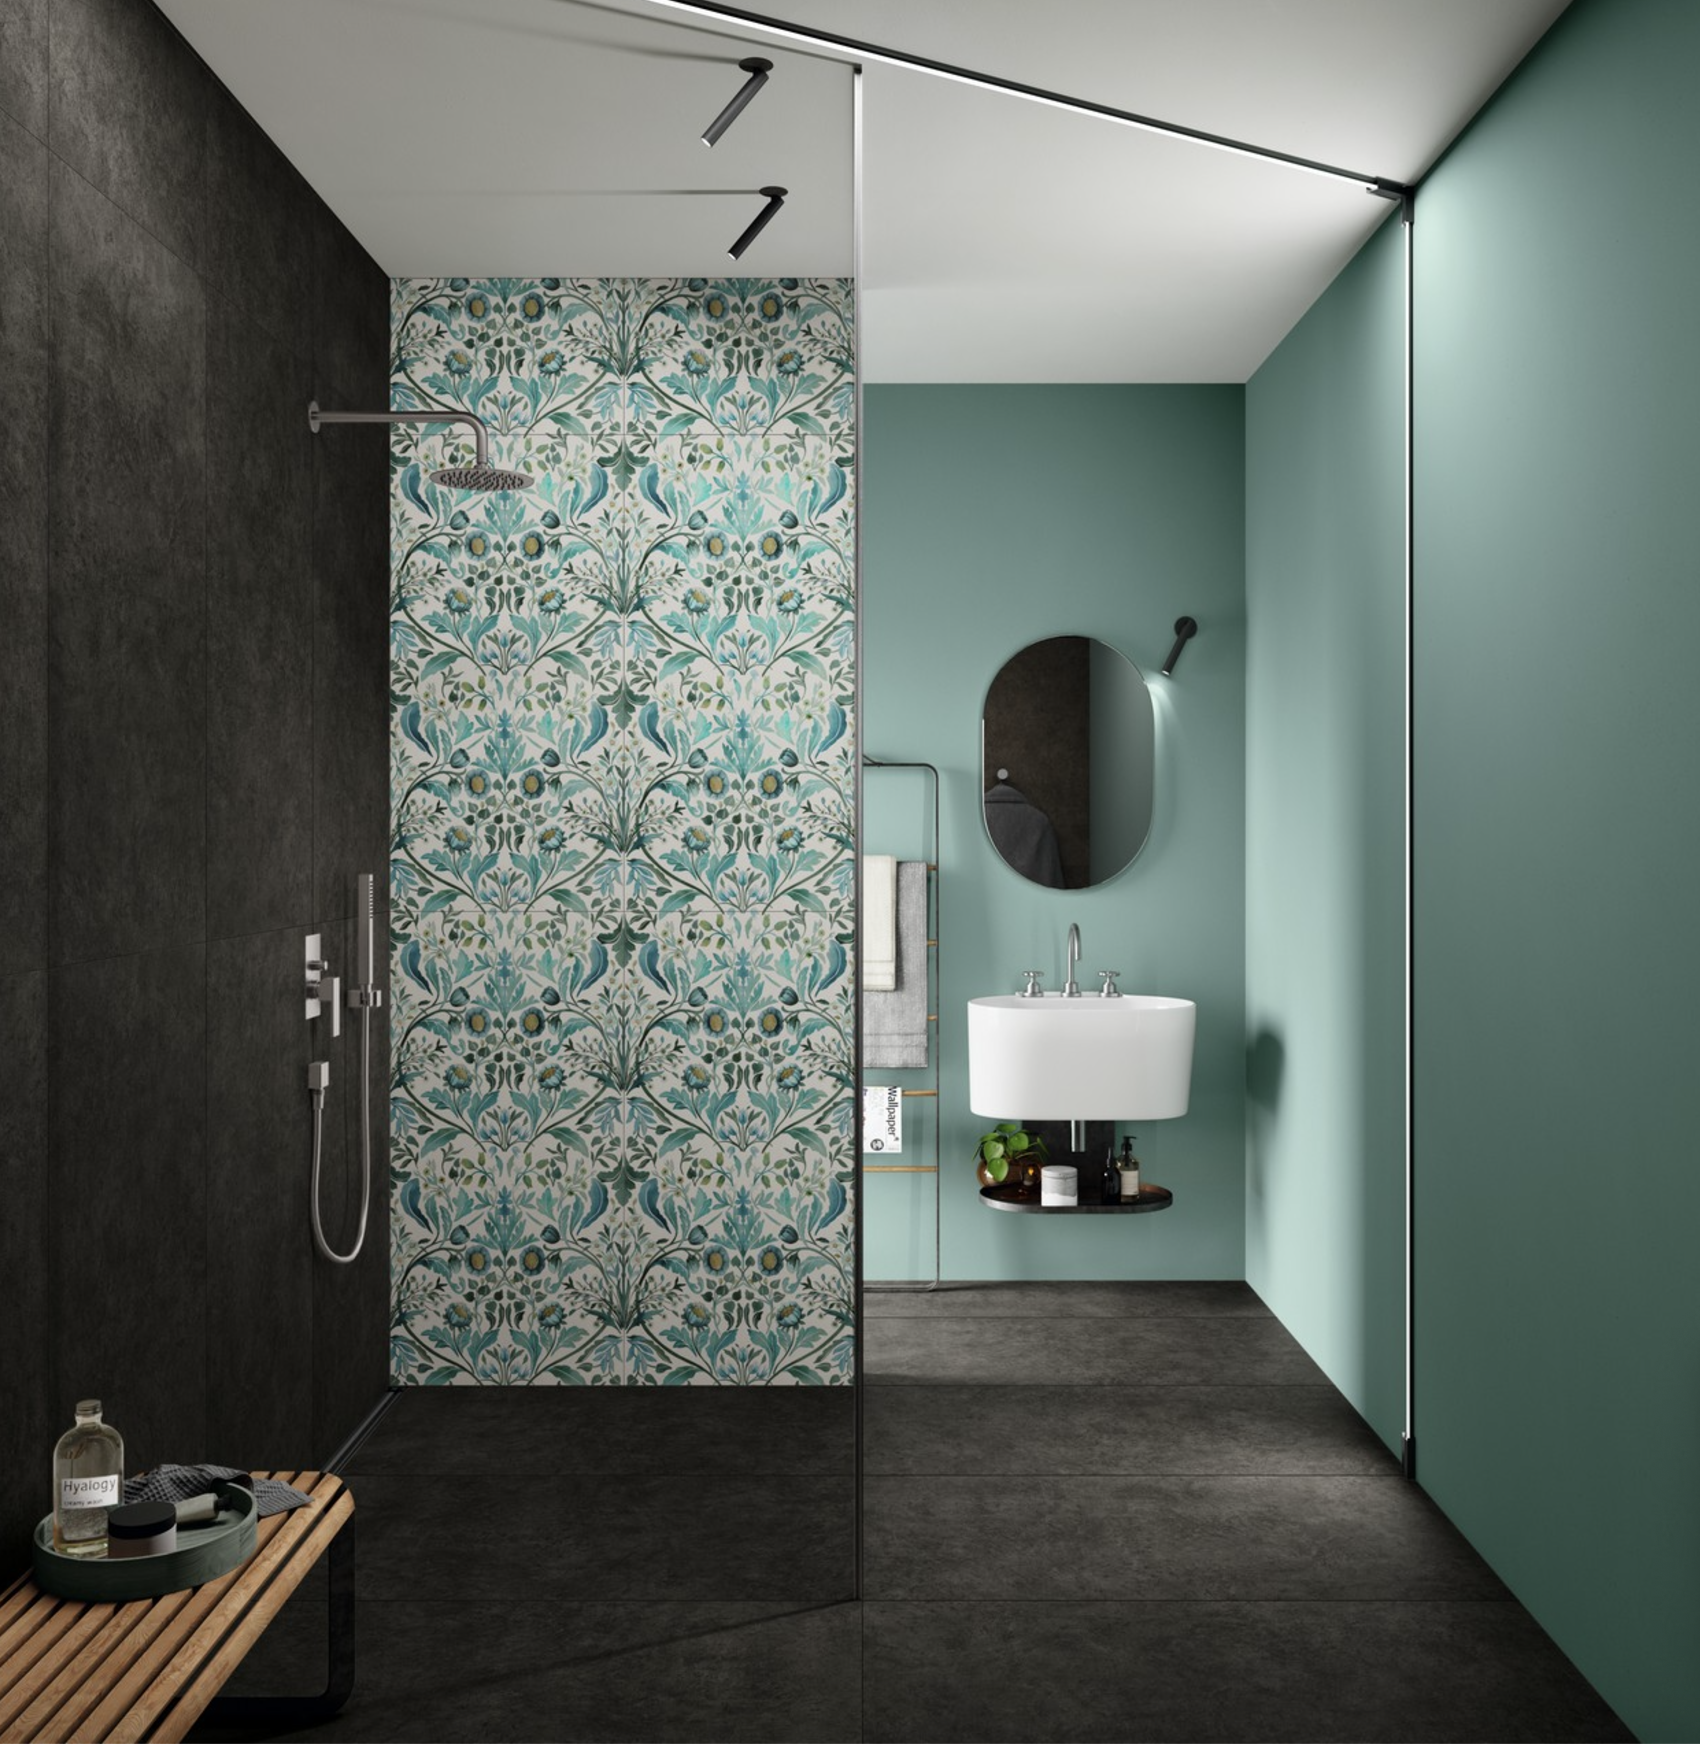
[(1129, 1172)]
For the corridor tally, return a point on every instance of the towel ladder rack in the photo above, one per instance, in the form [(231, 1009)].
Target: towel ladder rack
[(936, 987)]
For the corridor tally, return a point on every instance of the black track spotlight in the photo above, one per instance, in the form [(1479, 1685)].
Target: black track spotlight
[(775, 199), (1185, 630), (758, 69)]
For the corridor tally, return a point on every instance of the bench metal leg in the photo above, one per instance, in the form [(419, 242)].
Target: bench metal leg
[(339, 1685)]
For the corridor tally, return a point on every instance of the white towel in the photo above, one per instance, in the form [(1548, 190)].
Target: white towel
[(879, 921)]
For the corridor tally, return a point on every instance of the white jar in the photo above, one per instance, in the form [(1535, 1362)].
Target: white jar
[(1059, 1184)]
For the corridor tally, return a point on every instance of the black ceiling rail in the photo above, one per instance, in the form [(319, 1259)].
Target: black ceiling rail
[(1383, 186)]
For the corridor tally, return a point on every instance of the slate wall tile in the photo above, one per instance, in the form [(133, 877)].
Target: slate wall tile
[(126, 619)]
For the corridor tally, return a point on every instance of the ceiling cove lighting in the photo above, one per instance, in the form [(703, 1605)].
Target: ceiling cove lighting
[(1185, 630), (810, 38), (775, 199), (758, 69)]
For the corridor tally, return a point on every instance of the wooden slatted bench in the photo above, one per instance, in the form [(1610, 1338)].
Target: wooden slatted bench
[(150, 1668)]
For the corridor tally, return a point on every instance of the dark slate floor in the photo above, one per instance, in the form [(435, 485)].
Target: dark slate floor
[(1093, 1511)]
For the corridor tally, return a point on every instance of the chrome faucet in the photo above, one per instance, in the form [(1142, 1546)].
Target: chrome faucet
[(1071, 987)]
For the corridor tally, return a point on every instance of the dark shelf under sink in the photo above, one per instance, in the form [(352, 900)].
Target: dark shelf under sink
[(1008, 1198)]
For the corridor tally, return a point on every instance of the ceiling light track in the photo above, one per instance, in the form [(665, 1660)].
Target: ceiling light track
[(867, 51)]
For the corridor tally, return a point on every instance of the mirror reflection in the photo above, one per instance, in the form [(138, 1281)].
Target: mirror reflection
[(1067, 754)]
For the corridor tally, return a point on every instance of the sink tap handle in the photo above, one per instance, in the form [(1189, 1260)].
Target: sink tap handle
[(1033, 990), (1109, 990)]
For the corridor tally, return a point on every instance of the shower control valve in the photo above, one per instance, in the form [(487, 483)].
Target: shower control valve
[(316, 966), (323, 988)]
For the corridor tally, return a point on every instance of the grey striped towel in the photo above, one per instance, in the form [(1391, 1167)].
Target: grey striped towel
[(177, 1483)]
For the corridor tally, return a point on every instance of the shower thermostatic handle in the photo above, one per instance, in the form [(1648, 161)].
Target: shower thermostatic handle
[(322, 986), (326, 991)]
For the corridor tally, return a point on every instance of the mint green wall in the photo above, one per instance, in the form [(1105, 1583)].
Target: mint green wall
[(1557, 638), (996, 516), (1325, 832)]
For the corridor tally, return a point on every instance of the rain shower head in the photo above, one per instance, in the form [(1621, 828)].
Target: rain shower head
[(480, 476)]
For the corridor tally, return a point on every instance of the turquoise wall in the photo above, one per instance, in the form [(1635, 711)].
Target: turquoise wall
[(1325, 832), (1557, 834), (1001, 515)]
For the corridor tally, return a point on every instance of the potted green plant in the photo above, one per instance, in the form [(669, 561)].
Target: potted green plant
[(1009, 1155)]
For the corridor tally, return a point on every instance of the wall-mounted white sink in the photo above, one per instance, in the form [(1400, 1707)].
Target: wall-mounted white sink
[(1080, 1059)]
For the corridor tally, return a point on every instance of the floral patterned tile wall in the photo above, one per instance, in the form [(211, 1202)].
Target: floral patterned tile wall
[(622, 873)]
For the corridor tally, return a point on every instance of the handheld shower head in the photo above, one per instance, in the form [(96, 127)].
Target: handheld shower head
[(480, 476)]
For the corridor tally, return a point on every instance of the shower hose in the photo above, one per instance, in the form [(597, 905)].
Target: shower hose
[(318, 1089)]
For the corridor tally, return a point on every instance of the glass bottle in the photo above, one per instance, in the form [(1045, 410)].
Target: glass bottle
[(1129, 1168), (88, 1478)]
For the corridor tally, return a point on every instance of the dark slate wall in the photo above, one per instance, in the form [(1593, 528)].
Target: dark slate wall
[(193, 720)]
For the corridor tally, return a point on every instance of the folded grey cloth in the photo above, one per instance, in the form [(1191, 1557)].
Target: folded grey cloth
[(894, 1025), (177, 1483)]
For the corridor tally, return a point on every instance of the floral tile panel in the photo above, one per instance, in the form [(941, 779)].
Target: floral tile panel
[(622, 806)]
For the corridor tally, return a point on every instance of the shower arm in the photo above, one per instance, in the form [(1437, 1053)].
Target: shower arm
[(315, 418)]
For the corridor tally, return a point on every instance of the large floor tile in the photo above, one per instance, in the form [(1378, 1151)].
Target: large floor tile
[(1132, 1431), (126, 612), (25, 356), (583, 1431), (128, 112), (350, 722), (23, 63), (351, 325), (126, 1042), (1111, 1300), (1001, 1536), (712, 1534), (259, 632), (35, 1415), (1472, 1671), (260, 236), (259, 1260), (445, 1671), (1200, 1350)]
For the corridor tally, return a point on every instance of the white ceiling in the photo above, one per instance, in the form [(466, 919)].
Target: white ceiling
[(1003, 241)]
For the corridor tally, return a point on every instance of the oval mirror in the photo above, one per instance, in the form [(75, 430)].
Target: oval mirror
[(1067, 754)]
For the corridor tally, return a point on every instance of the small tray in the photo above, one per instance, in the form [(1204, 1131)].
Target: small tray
[(204, 1552)]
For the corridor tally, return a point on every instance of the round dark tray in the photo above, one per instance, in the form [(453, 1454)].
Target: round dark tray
[(203, 1553), (1005, 1198)]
